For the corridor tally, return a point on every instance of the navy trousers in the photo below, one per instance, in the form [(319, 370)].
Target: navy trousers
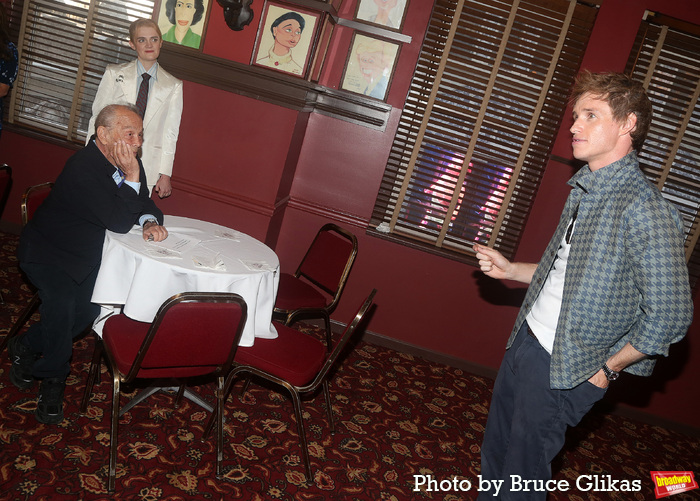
[(527, 421), (66, 311)]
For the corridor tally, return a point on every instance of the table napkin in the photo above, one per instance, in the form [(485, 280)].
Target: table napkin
[(209, 261), (162, 252), (253, 265)]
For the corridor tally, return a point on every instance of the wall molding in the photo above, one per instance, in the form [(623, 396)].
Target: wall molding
[(216, 194), (225, 197), (273, 87), (327, 213)]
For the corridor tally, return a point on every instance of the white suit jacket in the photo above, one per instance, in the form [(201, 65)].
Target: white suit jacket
[(161, 124)]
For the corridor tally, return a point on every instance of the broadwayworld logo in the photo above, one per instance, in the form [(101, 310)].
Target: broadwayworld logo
[(667, 483)]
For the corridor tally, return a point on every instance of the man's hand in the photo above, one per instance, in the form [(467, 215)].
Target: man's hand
[(599, 379), (124, 157), (154, 232), (163, 187), (495, 265), (492, 262)]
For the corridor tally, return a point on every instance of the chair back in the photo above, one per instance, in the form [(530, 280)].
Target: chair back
[(328, 261), (5, 184), (32, 198), (340, 346), (193, 333)]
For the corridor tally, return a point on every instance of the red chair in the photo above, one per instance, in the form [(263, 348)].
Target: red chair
[(192, 335), (313, 291), (32, 198), (297, 362)]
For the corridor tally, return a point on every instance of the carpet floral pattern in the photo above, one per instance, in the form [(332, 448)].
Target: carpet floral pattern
[(397, 416)]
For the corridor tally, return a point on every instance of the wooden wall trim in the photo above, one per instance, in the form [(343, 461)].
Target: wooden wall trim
[(268, 210), (225, 197), (273, 87), (328, 213)]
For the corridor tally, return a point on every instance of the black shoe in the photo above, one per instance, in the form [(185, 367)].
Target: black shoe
[(22, 363), (49, 407)]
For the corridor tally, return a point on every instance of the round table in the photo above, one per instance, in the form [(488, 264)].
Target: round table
[(136, 276)]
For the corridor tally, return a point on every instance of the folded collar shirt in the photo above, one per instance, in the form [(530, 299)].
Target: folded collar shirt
[(626, 278)]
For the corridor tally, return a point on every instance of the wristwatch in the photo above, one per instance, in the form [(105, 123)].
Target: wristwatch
[(609, 373), (150, 220)]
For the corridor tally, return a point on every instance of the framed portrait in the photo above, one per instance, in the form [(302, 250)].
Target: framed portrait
[(286, 38), (369, 66), (385, 13), (183, 22)]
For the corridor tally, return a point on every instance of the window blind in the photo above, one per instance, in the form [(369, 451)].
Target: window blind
[(665, 57), (64, 48), (485, 104)]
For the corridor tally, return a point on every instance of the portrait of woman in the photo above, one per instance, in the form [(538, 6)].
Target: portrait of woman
[(285, 40), (286, 31), (177, 19)]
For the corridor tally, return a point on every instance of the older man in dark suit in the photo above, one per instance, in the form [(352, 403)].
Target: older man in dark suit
[(102, 187)]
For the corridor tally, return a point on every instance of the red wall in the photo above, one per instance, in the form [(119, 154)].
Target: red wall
[(236, 155)]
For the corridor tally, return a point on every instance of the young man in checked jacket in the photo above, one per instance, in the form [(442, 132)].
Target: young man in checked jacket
[(611, 292)]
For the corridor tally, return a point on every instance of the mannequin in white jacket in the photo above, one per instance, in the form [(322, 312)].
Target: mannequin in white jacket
[(161, 122)]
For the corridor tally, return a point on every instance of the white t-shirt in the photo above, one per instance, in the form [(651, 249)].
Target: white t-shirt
[(544, 315)]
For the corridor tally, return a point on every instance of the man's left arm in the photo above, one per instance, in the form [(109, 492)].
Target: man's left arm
[(627, 356), (654, 247)]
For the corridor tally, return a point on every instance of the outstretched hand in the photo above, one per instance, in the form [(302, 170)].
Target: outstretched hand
[(492, 262), (495, 265)]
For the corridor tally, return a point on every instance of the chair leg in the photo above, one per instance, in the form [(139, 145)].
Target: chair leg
[(226, 390), (298, 411), (27, 312), (94, 371), (329, 334), (180, 393), (219, 412), (329, 406), (114, 433)]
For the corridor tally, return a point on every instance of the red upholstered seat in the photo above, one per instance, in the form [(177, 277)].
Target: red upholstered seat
[(313, 291), (294, 292), (181, 350), (297, 362), (294, 356), (193, 334)]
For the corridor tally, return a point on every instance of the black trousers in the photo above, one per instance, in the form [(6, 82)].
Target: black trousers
[(66, 311), (527, 422)]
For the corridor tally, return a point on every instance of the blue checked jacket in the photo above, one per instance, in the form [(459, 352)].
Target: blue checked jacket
[(626, 276)]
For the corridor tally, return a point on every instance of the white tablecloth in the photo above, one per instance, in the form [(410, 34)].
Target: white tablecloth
[(136, 277)]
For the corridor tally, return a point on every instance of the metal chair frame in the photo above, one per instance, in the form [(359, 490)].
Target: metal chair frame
[(288, 317), (120, 379), (320, 380)]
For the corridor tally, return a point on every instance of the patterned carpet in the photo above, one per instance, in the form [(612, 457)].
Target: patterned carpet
[(397, 416)]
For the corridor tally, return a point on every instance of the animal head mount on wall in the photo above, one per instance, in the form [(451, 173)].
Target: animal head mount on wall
[(237, 13)]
